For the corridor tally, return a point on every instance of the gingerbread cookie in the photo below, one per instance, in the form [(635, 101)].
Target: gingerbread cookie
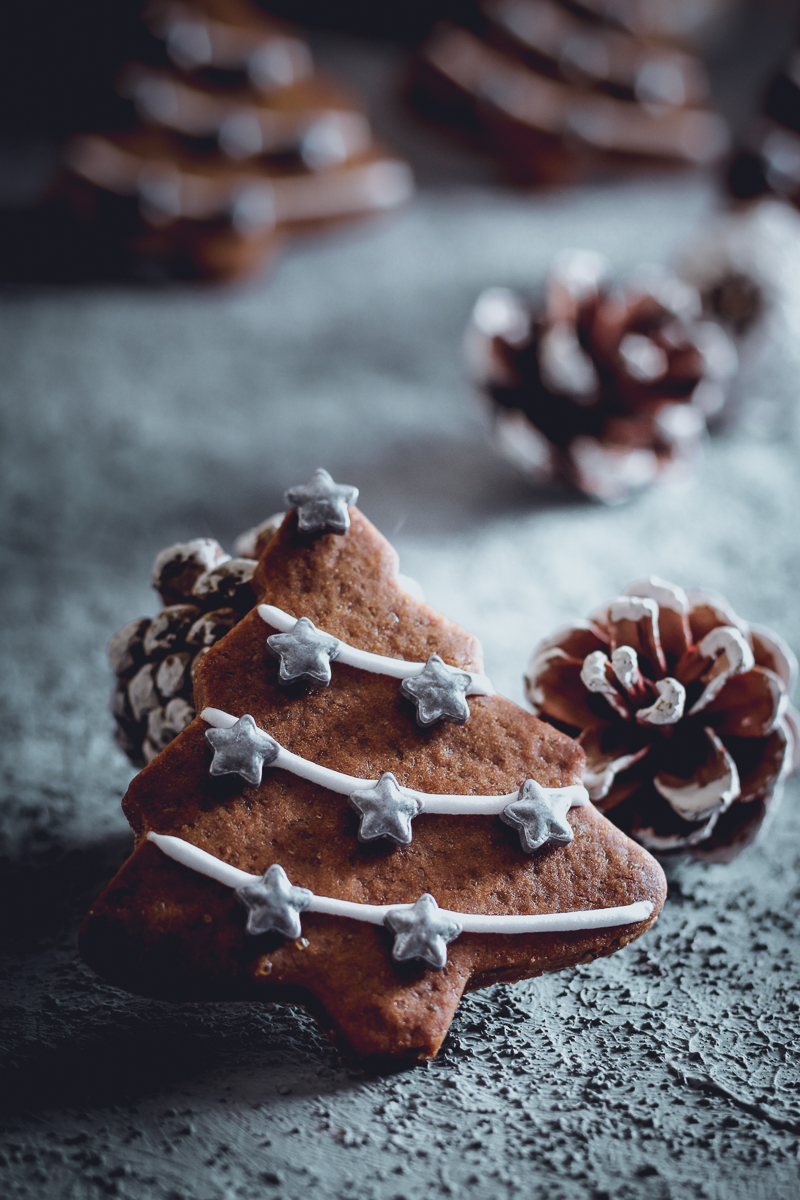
[(315, 122), (226, 142), (556, 92), (355, 821), (228, 41), (212, 217)]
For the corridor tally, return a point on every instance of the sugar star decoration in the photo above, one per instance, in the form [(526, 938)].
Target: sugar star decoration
[(438, 692), (385, 811), (305, 652), (322, 505), (244, 750), (539, 816), (422, 932), (274, 904)]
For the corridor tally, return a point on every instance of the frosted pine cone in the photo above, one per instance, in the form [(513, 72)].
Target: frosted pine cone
[(608, 388), (205, 593), (682, 710), (745, 265), (767, 160)]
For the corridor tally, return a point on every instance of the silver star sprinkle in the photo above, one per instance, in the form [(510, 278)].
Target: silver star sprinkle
[(242, 750), (305, 652), (322, 504), (385, 811), (274, 904), (421, 932), (540, 816), (438, 692)]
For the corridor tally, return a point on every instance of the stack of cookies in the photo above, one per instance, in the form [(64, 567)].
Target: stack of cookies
[(230, 141), (558, 91)]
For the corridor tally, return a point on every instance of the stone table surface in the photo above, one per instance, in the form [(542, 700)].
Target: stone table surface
[(133, 419)]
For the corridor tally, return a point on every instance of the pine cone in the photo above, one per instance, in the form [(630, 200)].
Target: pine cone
[(682, 710), (608, 388), (744, 264), (205, 593), (253, 542), (177, 568)]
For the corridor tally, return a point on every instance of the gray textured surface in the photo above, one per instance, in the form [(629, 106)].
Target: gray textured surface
[(132, 420)]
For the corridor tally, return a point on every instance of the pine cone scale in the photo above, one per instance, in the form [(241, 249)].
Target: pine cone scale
[(761, 765), (772, 652), (708, 611), (611, 752), (563, 697), (710, 788), (641, 636), (750, 705)]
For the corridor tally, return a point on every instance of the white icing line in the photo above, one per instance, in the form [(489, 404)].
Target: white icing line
[(218, 718), (345, 785), (201, 861), (489, 805), (195, 859), (364, 660)]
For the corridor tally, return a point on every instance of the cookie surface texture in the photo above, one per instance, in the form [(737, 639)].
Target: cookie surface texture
[(165, 930)]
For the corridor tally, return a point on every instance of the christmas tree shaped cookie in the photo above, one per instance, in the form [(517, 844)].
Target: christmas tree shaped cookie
[(354, 821)]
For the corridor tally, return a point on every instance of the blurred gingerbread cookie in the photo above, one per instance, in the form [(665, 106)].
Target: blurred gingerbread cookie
[(314, 122), (196, 216), (558, 91), (230, 42), (230, 142)]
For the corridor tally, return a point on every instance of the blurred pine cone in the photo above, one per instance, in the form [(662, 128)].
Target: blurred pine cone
[(745, 264), (682, 709), (609, 388), (767, 159), (205, 593)]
